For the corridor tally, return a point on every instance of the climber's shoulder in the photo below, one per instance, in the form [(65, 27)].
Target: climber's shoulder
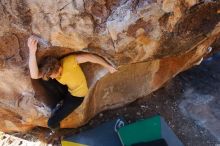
[(77, 58)]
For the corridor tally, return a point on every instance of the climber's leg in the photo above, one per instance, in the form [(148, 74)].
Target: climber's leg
[(69, 104), (49, 92)]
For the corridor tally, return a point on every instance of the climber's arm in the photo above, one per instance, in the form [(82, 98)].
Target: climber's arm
[(82, 58), (32, 44)]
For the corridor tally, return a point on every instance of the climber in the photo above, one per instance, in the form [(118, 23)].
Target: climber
[(67, 72)]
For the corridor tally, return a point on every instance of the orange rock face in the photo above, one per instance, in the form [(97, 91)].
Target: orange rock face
[(148, 41)]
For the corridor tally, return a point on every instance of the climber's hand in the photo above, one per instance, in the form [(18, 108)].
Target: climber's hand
[(32, 44)]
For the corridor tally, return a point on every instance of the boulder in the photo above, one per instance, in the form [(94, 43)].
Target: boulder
[(149, 41)]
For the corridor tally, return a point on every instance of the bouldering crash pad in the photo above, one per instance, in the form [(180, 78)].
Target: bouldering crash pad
[(103, 135), (148, 131)]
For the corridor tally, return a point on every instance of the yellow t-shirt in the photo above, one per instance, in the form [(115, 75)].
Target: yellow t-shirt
[(73, 76)]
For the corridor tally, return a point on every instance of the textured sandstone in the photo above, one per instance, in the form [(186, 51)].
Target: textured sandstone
[(150, 41)]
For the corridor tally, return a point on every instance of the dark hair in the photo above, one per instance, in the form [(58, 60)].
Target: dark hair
[(48, 66)]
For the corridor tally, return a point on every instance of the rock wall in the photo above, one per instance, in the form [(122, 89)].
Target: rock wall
[(149, 41)]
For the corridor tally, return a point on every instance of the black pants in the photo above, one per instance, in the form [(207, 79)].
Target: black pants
[(69, 104), (52, 92)]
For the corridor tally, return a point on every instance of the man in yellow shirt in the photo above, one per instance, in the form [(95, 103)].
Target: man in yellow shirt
[(67, 72)]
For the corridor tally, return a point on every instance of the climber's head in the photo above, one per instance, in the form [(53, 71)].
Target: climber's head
[(50, 68)]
